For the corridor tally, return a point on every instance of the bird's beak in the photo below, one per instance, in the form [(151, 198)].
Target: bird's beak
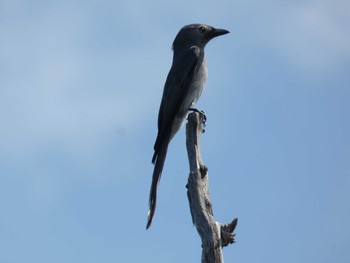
[(218, 32)]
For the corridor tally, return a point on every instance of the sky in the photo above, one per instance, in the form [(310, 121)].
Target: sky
[(81, 83)]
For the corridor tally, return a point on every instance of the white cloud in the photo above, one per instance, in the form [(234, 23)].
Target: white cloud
[(62, 82), (314, 35)]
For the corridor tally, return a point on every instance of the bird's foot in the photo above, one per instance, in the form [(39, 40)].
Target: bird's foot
[(204, 118)]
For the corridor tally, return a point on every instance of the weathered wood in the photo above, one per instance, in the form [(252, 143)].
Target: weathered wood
[(214, 235)]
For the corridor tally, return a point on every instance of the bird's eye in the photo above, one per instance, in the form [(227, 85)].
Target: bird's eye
[(201, 29)]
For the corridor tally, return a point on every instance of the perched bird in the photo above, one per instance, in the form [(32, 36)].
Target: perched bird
[(182, 89)]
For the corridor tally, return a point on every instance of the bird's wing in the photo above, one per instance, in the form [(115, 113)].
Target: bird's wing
[(176, 89)]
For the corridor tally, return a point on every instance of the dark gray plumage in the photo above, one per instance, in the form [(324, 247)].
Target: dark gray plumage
[(182, 89)]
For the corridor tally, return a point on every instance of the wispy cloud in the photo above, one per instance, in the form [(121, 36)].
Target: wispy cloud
[(313, 36), (65, 74)]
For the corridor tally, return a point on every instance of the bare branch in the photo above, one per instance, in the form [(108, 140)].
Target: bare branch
[(214, 235)]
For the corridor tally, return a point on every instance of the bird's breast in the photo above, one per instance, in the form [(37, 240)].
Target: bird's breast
[(199, 82), (194, 92)]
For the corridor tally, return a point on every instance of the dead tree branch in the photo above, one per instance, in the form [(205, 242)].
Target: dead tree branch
[(214, 235)]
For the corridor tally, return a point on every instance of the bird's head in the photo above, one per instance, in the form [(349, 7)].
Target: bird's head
[(197, 34)]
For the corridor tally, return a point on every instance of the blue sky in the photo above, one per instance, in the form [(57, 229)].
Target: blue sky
[(81, 83)]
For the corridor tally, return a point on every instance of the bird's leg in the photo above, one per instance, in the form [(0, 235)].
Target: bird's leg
[(202, 114)]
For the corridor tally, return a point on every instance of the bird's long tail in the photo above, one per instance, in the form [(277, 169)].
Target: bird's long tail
[(158, 159)]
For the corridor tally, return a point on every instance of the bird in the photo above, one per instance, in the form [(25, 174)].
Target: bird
[(183, 87)]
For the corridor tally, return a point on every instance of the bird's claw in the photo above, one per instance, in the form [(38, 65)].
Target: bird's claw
[(204, 118)]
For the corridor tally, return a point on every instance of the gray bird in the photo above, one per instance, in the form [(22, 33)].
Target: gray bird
[(182, 89)]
